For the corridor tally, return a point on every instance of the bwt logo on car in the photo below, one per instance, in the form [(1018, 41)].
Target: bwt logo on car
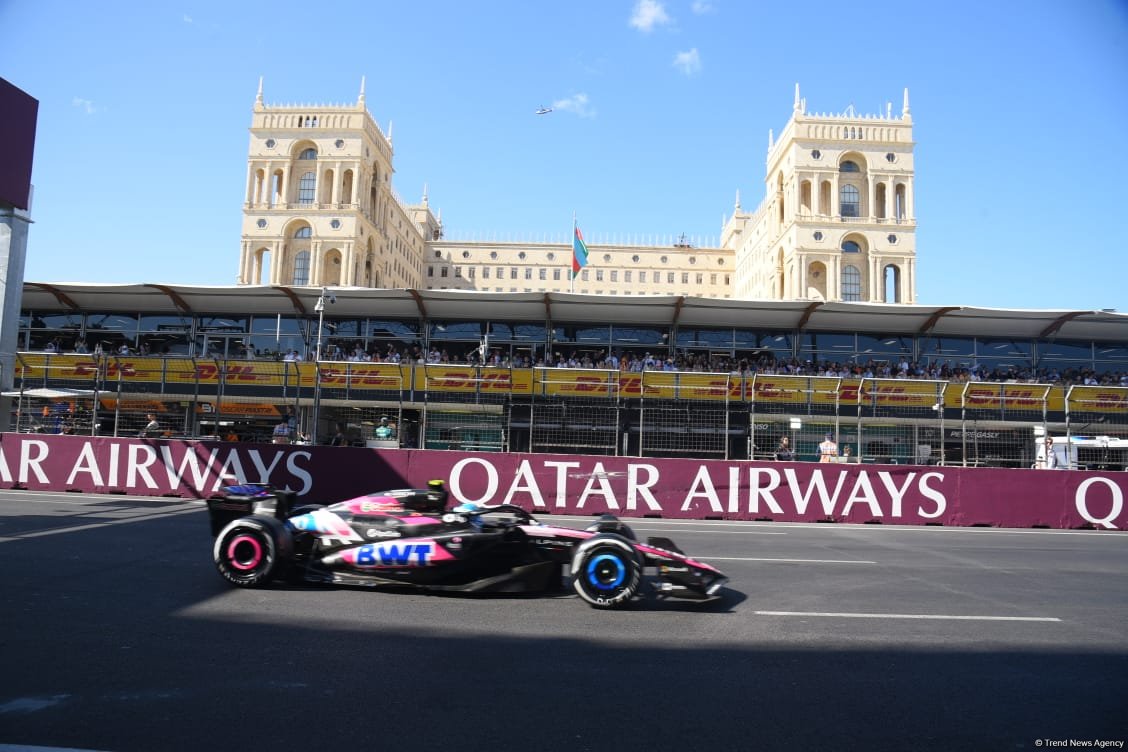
[(394, 555)]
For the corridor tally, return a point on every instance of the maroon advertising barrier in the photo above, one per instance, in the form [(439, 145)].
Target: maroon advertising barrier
[(580, 484)]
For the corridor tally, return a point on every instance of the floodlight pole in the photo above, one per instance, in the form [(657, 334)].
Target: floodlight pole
[(320, 308)]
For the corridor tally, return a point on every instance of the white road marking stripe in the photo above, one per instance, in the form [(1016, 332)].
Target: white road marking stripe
[(789, 561), (93, 526), (714, 532), (947, 617)]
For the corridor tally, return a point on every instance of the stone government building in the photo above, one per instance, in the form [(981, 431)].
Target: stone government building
[(836, 224)]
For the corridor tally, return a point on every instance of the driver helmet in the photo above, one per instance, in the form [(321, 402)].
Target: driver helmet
[(436, 491)]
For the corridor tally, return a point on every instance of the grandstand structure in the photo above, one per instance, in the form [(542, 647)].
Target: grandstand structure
[(653, 376)]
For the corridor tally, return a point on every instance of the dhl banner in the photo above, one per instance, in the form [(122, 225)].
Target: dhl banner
[(236, 373), (86, 368), (657, 385), (562, 382), (1100, 399), (711, 386), (470, 379), (779, 389), (363, 376), (568, 382), (891, 393), (982, 395)]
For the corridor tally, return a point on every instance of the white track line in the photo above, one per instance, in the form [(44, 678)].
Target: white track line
[(93, 525), (713, 532), (943, 617), (786, 561)]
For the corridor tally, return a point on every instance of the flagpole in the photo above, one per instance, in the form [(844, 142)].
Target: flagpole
[(572, 258)]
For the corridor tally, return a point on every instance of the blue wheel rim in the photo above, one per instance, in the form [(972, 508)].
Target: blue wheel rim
[(606, 571)]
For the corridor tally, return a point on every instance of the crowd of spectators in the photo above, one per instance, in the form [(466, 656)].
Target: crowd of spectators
[(767, 364), (636, 361)]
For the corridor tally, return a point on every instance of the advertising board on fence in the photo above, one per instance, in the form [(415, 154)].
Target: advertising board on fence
[(581, 484)]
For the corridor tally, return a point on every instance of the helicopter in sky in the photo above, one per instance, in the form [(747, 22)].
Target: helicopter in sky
[(543, 110)]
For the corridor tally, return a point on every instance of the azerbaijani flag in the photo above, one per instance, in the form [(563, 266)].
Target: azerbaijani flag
[(579, 252)]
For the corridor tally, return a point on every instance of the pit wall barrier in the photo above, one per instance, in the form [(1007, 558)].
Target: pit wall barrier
[(581, 484)]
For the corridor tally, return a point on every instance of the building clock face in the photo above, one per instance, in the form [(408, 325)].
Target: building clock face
[(270, 143)]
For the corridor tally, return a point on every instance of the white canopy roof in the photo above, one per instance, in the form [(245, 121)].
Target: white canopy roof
[(446, 305)]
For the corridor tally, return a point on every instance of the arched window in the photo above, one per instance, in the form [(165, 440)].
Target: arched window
[(303, 232), (306, 188), (851, 283), (849, 166), (301, 268), (308, 154), (848, 198), (850, 246)]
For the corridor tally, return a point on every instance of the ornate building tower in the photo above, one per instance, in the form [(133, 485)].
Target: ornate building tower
[(320, 208), (837, 222)]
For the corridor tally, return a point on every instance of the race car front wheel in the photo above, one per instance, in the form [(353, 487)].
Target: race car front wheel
[(606, 571), (251, 551)]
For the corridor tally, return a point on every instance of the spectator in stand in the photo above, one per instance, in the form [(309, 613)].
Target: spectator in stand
[(152, 429), (384, 430), (828, 449), (1049, 456), (783, 452), (340, 438), (282, 432)]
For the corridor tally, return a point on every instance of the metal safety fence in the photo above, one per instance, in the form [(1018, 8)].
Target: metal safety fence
[(572, 410)]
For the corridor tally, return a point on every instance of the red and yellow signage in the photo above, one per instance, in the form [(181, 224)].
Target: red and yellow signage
[(363, 376), (182, 375), (470, 380)]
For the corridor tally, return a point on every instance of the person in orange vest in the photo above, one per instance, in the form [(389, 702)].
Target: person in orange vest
[(828, 449)]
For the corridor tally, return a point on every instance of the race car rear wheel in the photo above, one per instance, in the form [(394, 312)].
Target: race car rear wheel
[(251, 551), (606, 571)]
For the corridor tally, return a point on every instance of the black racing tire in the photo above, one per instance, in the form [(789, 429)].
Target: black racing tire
[(606, 571), (252, 551)]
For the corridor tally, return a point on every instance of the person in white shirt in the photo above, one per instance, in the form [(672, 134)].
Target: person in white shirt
[(281, 434), (152, 429), (1050, 459), (828, 448)]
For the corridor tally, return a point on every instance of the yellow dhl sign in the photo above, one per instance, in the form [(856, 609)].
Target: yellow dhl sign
[(372, 376), (470, 379), (565, 382), (86, 368), (1098, 398)]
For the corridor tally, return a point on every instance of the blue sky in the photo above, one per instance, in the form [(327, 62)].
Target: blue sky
[(662, 110)]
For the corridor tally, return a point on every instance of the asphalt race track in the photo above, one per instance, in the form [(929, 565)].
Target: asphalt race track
[(118, 634)]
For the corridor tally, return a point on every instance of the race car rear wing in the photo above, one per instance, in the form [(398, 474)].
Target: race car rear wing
[(247, 499)]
